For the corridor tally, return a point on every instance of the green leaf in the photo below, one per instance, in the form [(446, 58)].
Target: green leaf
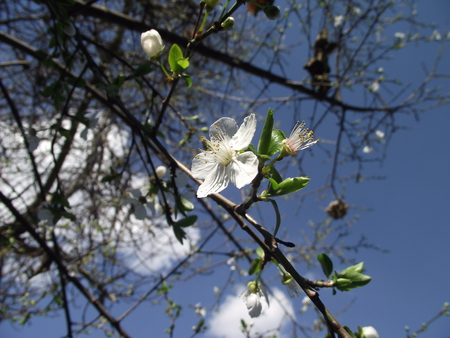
[(183, 63), (142, 70), (275, 175), (278, 216), (260, 252), (326, 263), (350, 332), (276, 142), (340, 282), (180, 234), (266, 134), (184, 205), (186, 222), (288, 186), (357, 268), (354, 275), (187, 79), (175, 54), (255, 266)]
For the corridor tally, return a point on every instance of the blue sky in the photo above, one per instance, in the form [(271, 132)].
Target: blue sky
[(408, 217)]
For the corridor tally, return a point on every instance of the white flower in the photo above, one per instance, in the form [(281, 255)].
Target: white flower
[(223, 160), (367, 149), (199, 310), (306, 301), (370, 332), (151, 43), (338, 19), (356, 10), (436, 35), (255, 299), (399, 35), (300, 138), (161, 171), (374, 87), (379, 133)]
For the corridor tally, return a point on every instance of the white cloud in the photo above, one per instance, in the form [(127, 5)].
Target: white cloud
[(226, 323)]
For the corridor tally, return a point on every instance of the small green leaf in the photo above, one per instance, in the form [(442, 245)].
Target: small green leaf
[(340, 282), (352, 273), (266, 134), (278, 216), (288, 186), (184, 205), (183, 63), (326, 263), (175, 54), (276, 175), (260, 252), (276, 142), (255, 266), (186, 222), (180, 234), (350, 332), (187, 79)]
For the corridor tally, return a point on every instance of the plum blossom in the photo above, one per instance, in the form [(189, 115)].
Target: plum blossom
[(152, 43), (300, 138), (255, 298), (338, 19), (370, 332), (225, 159)]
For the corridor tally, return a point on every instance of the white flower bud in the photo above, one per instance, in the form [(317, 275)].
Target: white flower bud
[(161, 171), (151, 43), (228, 24), (370, 332)]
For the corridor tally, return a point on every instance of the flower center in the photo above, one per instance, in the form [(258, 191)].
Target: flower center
[(221, 148)]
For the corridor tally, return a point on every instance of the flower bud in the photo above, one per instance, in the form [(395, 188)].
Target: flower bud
[(271, 12), (370, 332), (210, 4), (152, 43), (161, 171), (228, 24)]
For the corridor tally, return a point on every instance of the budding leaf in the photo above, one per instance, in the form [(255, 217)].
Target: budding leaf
[(276, 141), (266, 134), (354, 275), (255, 266), (288, 186), (175, 55), (326, 263)]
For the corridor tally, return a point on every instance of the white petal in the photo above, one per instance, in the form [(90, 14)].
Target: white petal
[(226, 126), (370, 332), (243, 169), (135, 193), (263, 295), (139, 211), (215, 182), (244, 135), (202, 165), (254, 305)]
